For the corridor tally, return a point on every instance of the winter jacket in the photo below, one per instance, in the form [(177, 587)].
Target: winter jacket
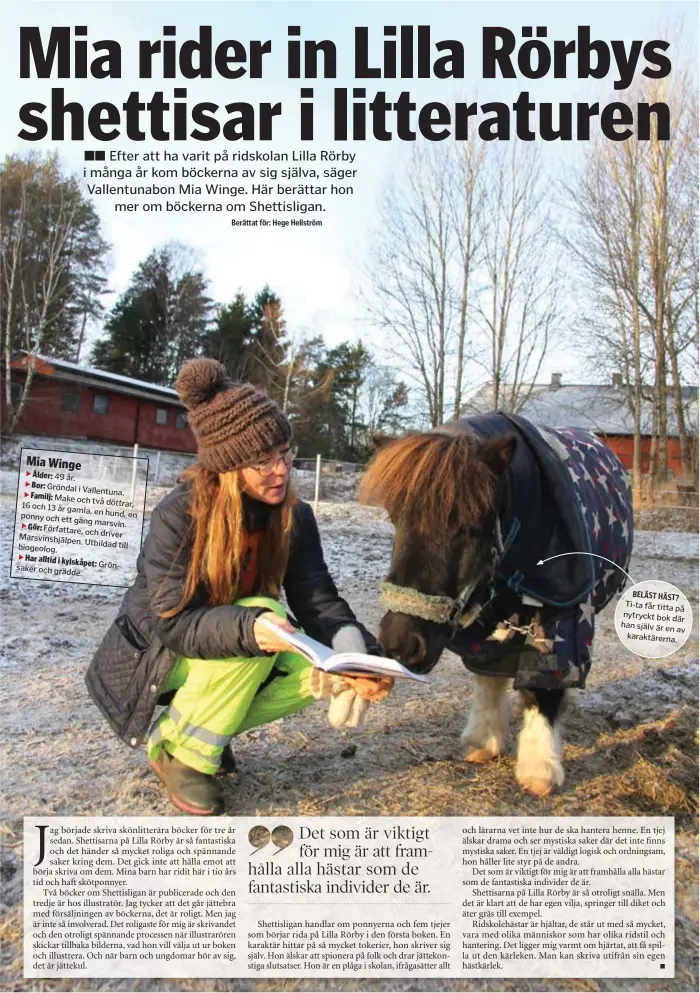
[(140, 648)]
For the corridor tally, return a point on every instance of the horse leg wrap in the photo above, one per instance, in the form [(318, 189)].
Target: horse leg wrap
[(484, 737), (538, 767)]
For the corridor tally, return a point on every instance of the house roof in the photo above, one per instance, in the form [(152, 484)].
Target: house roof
[(48, 365), (602, 409), (483, 400)]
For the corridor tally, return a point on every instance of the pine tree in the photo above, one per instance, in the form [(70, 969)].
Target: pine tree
[(350, 364), (268, 345), (162, 319), (230, 338), (309, 398)]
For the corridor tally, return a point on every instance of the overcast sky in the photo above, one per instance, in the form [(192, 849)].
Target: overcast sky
[(318, 273)]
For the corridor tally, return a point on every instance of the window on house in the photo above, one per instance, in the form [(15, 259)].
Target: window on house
[(70, 402), (181, 420), (161, 416), (100, 404), (15, 393)]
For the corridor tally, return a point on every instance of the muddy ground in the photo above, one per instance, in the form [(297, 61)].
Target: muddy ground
[(631, 745)]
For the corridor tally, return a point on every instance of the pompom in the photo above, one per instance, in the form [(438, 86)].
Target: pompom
[(199, 381)]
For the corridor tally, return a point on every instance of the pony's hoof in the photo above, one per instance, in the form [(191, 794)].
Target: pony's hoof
[(537, 787), (480, 755), (540, 782)]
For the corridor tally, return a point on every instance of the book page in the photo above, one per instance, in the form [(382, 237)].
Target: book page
[(325, 658), (372, 664), (351, 898), (315, 651)]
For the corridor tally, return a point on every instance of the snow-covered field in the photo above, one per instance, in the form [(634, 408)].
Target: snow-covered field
[(62, 759)]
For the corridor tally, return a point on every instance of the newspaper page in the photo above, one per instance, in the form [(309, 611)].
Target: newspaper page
[(468, 229)]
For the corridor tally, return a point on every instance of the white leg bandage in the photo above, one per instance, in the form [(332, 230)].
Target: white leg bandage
[(538, 768), (484, 737)]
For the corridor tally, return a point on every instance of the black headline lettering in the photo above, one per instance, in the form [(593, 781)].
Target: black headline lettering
[(405, 51)]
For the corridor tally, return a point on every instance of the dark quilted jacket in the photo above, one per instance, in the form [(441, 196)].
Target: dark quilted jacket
[(140, 648)]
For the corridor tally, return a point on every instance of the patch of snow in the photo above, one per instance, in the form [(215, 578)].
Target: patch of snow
[(666, 544)]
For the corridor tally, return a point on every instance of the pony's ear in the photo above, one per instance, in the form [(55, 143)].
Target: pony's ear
[(497, 453), (380, 439)]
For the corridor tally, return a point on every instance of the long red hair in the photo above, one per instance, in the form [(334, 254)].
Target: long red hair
[(219, 539)]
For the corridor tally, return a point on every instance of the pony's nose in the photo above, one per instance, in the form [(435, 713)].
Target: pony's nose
[(401, 640)]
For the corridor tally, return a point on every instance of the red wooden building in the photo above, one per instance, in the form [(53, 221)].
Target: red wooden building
[(69, 401), (604, 410)]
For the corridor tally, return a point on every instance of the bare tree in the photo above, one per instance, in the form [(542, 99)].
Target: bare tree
[(518, 309), (670, 232), (272, 351), (635, 207), (410, 274), (278, 354), (293, 344), (463, 276), (608, 202), (466, 201), (385, 402)]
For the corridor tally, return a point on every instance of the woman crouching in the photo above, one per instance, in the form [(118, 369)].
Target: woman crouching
[(189, 635)]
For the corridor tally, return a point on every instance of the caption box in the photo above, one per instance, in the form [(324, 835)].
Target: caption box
[(79, 517), (653, 619), (361, 897)]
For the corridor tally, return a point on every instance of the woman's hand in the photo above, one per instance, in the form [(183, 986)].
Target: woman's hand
[(269, 641)]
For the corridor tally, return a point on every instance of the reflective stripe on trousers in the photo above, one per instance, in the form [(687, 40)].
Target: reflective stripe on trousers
[(218, 698)]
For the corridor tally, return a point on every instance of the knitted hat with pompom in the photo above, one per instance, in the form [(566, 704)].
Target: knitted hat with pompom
[(234, 423)]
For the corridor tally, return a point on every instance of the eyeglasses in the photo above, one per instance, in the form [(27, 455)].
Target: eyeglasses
[(266, 466)]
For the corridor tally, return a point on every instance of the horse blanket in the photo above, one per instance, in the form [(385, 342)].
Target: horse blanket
[(564, 492)]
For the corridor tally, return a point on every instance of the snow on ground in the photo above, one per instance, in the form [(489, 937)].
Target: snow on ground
[(628, 750), (667, 545)]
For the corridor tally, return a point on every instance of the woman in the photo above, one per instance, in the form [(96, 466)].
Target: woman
[(189, 634)]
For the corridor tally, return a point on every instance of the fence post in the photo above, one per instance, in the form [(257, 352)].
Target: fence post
[(317, 485), (157, 469), (133, 473)]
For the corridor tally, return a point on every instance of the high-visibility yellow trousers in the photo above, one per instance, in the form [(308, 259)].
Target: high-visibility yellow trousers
[(218, 698)]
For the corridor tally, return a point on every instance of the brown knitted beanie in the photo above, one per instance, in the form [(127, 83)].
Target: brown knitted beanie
[(234, 423)]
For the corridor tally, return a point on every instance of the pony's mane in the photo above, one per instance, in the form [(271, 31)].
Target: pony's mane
[(434, 480)]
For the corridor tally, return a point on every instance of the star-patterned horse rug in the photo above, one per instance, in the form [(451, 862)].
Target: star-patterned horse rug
[(509, 539), (583, 506)]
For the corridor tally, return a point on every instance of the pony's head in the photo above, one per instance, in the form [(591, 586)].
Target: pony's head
[(440, 491)]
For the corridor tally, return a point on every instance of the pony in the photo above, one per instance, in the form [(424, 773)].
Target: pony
[(509, 538)]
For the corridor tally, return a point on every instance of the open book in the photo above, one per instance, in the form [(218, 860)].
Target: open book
[(352, 663)]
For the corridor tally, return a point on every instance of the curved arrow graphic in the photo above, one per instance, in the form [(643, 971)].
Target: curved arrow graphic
[(593, 556)]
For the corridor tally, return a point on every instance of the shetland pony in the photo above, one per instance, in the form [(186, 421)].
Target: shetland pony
[(478, 507)]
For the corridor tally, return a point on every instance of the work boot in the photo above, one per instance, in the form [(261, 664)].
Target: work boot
[(228, 763), (190, 790)]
